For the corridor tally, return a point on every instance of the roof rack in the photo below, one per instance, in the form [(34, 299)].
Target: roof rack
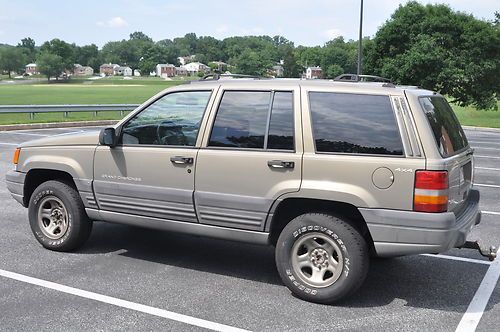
[(361, 78), (217, 76)]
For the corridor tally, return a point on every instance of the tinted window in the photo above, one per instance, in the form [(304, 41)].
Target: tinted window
[(448, 133), (281, 125), (241, 120), (171, 120), (354, 123)]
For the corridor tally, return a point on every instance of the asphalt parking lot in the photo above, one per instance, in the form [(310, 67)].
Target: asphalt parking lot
[(128, 278)]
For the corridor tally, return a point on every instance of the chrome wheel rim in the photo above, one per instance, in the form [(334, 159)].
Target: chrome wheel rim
[(52, 217), (317, 260)]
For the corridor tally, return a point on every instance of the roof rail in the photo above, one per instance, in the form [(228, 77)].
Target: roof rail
[(361, 78), (217, 76)]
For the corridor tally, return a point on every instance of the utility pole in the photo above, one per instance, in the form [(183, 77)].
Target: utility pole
[(360, 41)]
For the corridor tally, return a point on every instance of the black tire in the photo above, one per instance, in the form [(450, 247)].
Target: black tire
[(312, 243), (62, 203)]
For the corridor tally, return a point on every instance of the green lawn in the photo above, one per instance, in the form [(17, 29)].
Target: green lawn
[(110, 90), (469, 116)]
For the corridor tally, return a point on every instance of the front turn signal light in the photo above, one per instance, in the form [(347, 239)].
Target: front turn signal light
[(15, 159)]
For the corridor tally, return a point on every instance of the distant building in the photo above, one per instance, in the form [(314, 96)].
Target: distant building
[(194, 68), (314, 72), (180, 71), (108, 69), (186, 59), (278, 71), (218, 65), (165, 70), (31, 69), (122, 71), (80, 70)]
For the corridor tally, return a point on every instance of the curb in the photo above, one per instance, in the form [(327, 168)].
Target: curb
[(57, 125), (494, 130)]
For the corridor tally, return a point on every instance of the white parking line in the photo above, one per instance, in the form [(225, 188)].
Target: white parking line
[(486, 185), (491, 212), (121, 303), (12, 144), (475, 311), (481, 156), (481, 148), (483, 142), (18, 133), (488, 168), (456, 258)]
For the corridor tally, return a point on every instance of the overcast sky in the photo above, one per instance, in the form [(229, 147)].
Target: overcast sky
[(305, 22)]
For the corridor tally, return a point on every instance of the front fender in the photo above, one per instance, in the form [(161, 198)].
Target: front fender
[(74, 160)]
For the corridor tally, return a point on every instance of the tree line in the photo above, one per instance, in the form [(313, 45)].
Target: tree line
[(430, 46)]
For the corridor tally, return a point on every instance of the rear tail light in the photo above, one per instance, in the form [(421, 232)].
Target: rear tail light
[(431, 191), (15, 159)]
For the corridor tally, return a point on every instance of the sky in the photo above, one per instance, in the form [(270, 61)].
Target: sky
[(305, 22)]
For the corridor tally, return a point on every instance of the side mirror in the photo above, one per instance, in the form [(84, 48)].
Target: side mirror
[(108, 137)]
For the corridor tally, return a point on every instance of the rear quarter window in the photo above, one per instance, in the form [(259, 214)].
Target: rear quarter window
[(449, 135), (354, 123)]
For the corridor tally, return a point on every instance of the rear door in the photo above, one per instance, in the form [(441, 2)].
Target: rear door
[(453, 151), (251, 155)]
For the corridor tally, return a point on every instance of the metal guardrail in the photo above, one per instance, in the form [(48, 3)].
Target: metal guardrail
[(33, 109)]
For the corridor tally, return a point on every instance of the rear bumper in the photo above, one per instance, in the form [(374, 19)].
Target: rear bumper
[(15, 184), (398, 233)]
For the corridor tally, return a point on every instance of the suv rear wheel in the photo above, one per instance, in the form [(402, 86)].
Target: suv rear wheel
[(321, 258), (57, 216)]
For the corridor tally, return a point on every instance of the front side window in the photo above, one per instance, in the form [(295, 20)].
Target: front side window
[(174, 119), (354, 123), (254, 120)]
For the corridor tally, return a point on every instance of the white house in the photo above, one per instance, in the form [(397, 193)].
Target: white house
[(314, 72), (185, 59), (31, 69), (122, 71), (194, 68)]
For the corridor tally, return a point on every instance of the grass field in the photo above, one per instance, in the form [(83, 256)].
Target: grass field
[(469, 116), (110, 90), (114, 90)]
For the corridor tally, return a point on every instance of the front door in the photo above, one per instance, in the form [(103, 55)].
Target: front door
[(151, 171), (251, 157)]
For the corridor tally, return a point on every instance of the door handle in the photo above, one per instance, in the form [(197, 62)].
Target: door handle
[(181, 160), (280, 164)]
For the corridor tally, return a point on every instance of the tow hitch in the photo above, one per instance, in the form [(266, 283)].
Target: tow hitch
[(491, 253)]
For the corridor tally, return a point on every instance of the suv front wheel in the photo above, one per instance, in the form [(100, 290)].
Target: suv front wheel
[(321, 258), (57, 216)]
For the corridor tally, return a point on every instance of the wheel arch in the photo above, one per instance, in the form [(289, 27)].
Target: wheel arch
[(289, 208), (37, 176)]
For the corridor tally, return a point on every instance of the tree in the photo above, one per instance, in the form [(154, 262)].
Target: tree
[(51, 65), (62, 49), (439, 49), (88, 55), (28, 46), (252, 63), (12, 59)]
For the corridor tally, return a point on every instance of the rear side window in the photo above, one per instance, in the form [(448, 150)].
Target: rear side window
[(354, 123), (254, 120), (449, 136)]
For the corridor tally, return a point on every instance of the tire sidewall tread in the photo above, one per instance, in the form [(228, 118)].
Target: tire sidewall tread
[(354, 250), (79, 225)]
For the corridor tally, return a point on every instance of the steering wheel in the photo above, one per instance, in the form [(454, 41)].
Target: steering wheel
[(172, 133)]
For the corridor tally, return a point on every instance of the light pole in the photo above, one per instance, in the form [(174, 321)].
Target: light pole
[(360, 41)]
